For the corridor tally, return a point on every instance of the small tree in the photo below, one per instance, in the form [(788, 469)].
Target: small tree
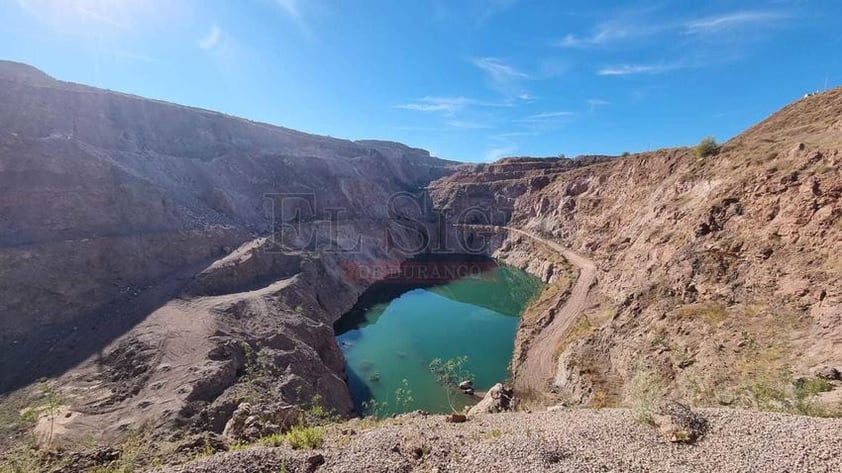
[(449, 374), (707, 147)]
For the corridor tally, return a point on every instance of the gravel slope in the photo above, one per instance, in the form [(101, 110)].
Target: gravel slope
[(607, 440)]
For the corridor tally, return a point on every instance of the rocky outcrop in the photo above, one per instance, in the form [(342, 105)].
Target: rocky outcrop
[(709, 270), (249, 423), (165, 263), (114, 192), (499, 398), (678, 423)]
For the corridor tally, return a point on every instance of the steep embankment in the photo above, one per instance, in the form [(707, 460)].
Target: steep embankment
[(121, 225), (718, 277)]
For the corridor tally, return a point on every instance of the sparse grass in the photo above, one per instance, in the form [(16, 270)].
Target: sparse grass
[(660, 339), (239, 446), (644, 393), (274, 440), (493, 434), (812, 387), (21, 459), (711, 312), (301, 437), (800, 396), (581, 327), (546, 299), (600, 400)]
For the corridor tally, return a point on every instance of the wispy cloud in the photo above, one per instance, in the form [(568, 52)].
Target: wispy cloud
[(594, 103), (495, 152), (469, 125), (504, 78), (630, 69), (639, 25), (291, 7), (603, 34), (447, 105), (100, 17), (498, 70), (516, 134), (298, 11), (540, 117), (211, 40), (731, 21)]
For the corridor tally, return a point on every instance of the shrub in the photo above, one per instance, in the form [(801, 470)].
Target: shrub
[(644, 393), (707, 147), (274, 440), (305, 437)]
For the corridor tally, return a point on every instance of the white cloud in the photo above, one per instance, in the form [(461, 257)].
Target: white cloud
[(212, 39), (603, 34), (448, 105), (598, 103), (538, 117), (100, 17), (504, 78), (291, 7), (515, 134), (468, 125), (637, 25), (495, 152), (630, 69), (714, 24), (498, 70)]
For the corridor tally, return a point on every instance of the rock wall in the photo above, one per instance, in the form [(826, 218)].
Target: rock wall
[(105, 197), (717, 275)]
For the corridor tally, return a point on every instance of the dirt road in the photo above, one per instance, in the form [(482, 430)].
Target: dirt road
[(536, 373)]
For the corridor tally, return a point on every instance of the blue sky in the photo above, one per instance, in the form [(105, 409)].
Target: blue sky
[(470, 80)]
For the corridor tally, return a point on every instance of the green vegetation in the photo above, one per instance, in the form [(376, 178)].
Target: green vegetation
[(403, 395), (449, 374), (644, 393), (274, 440), (711, 312), (301, 437), (707, 147), (581, 328), (23, 459), (799, 396)]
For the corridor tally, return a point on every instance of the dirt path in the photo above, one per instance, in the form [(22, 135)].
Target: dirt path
[(538, 370)]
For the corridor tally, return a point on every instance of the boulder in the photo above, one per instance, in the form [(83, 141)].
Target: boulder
[(250, 422), (828, 373), (466, 385), (678, 423), (456, 418), (499, 398)]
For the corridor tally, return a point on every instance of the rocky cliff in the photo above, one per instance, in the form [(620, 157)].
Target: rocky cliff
[(718, 277), (137, 260)]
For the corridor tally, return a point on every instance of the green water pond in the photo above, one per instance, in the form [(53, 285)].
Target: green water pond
[(397, 329)]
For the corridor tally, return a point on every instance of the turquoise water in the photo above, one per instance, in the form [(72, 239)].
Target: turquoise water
[(395, 332)]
